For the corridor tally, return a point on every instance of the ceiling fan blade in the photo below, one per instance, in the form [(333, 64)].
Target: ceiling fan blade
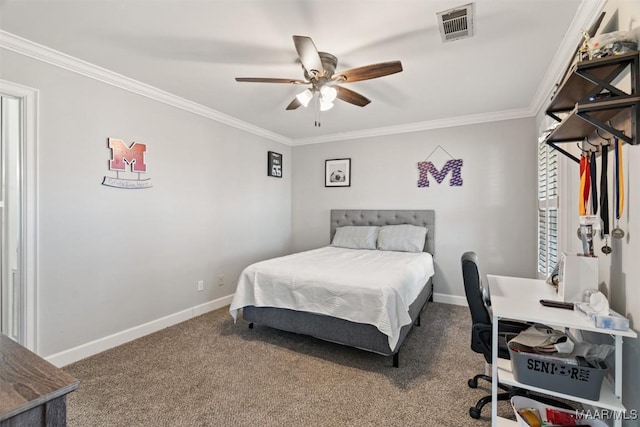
[(351, 97), (294, 104), (268, 80), (308, 55), (369, 72)]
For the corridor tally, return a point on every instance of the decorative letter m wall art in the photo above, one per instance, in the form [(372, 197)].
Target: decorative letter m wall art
[(452, 165), (123, 157)]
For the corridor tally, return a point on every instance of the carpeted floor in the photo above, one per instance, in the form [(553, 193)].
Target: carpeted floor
[(209, 371)]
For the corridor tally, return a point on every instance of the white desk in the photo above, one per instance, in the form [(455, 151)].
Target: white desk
[(518, 299)]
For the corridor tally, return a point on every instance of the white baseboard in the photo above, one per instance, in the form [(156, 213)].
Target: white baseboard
[(450, 299), (71, 355)]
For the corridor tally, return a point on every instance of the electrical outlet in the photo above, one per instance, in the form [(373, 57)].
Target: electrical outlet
[(220, 279), (200, 285)]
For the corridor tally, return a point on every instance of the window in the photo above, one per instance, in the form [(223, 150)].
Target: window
[(547, 207)]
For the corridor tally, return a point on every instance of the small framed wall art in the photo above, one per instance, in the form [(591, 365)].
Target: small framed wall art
[(274, 164), (337, 173)]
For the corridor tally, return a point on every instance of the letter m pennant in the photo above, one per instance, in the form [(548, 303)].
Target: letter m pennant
[(454, 166), (121, 156)]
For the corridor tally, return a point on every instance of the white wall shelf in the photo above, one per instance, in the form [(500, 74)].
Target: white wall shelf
[(591, 98)]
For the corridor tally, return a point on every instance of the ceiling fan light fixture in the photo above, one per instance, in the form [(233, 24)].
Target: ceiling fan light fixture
[(325, 105), (305, 96), (329, 93)]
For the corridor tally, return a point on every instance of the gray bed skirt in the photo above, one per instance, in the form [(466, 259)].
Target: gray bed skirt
[(359, 335)]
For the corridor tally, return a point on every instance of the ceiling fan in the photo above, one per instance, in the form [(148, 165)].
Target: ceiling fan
[(320, 72)]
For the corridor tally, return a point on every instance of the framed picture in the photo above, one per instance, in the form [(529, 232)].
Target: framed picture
[(274, 164), (337, 173)]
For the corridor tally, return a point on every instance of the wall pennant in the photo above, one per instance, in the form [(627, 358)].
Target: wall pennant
[(123, 156), (452, 165)]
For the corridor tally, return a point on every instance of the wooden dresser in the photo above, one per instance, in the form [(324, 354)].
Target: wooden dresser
[(33, 392)]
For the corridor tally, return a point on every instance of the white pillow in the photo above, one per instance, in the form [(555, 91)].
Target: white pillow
[(356, 237), (403, 238)]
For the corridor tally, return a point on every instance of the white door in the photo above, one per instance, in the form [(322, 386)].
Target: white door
[(18, 213), (12, 295)]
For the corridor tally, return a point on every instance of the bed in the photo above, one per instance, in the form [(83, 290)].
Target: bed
[(270, 292)]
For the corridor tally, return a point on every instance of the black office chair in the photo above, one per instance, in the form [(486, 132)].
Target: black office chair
[(479, 300)]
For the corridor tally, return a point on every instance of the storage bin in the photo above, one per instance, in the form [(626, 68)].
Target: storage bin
[(555, 375)]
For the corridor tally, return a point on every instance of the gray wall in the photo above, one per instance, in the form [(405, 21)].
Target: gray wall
[(492, 213), (111, 259)]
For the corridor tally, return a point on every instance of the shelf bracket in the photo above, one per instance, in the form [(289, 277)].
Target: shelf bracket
[(606, 127), (602, 84), (554, 116), (563, 151)]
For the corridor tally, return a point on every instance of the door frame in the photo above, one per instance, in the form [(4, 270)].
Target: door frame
[(28, 263)]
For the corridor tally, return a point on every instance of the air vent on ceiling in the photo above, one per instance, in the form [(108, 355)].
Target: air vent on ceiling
[(456, 23)]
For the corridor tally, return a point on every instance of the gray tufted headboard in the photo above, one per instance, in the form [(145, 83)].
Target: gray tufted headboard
[(424, 218)]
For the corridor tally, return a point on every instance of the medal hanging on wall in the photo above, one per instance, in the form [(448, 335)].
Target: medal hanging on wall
[(583, 197), (585, 188), (604, 198), (594, 184), (617, 232), (592, 210), (588, 202)]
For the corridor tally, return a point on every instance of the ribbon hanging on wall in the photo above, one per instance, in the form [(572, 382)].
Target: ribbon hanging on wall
[(604, 190), (594, 183), (617, 232)]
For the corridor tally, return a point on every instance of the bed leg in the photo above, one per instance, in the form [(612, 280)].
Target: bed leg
[(396, 359), (251, 325)]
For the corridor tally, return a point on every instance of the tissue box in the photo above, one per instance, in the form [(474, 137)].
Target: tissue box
[(613, 320)]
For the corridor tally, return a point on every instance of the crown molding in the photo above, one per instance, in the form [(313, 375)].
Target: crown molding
[(420, 126), (50, 56), (587, 13)]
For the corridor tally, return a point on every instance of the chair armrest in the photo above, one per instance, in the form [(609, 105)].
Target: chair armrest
[(481, 336), (512, 326)]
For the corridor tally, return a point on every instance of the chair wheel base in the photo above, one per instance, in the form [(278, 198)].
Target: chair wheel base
[(474, 413), (472, 383)]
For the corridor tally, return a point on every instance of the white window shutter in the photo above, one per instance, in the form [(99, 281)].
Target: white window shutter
[(547, 208)]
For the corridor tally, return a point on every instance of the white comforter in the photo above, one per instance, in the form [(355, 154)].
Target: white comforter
[(365, 286)]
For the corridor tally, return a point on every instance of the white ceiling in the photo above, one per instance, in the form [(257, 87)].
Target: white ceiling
[(194, 49)]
